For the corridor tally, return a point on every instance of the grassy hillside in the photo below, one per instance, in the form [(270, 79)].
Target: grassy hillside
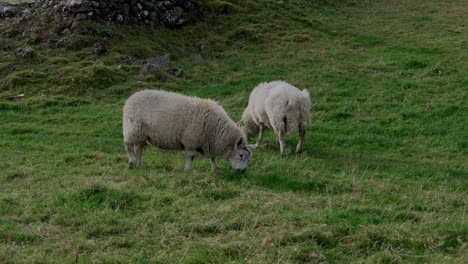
[(384, 176)]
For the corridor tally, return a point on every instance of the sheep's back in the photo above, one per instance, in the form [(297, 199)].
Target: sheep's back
[(271, 102), (162, 116)]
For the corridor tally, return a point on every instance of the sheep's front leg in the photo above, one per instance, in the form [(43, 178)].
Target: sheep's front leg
[(260, 136), (214, 164), (300, 144), (138, 151), (188, 162), (132, 160)]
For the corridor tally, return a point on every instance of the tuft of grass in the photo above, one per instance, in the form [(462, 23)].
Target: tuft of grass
[(383, 174), (19, 79), (99, 197), (14, 236), (368, 41)]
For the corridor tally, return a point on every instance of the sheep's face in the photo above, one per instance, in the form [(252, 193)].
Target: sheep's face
[(240, 156)]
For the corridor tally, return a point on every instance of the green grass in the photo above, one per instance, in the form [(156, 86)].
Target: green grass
[(384, 176)]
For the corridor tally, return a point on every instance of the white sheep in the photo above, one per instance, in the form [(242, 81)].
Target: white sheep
[(175, 121), (280, 106)]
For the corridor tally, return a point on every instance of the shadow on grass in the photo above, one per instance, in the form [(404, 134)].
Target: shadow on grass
[(283, 183), (298, 172)]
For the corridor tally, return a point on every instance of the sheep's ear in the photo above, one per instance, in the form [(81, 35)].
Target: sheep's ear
[(239, 142), (251, 147)]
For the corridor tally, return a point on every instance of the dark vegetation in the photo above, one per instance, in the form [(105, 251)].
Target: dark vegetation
[(383, 178)]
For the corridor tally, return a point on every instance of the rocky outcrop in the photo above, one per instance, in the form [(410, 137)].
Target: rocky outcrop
[(25, 53), (141, 12), (9, 10), (156, 64), (161, 64)]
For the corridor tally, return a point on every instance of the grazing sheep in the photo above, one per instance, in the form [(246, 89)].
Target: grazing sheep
[(175, 121), (280, 106)]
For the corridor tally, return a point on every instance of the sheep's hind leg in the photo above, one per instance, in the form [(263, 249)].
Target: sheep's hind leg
[(131, 155), (280, 130), (214, 164), (284, 151), (300, 144), (138, 151), (188, 162)]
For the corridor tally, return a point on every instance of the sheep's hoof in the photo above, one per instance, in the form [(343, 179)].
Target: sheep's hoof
[(298, 151), (283, 155), (131, 165)]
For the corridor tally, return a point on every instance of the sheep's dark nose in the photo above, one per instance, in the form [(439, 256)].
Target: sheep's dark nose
[(241, 170)]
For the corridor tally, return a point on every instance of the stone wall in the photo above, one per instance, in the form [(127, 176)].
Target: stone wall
[(140, 12)]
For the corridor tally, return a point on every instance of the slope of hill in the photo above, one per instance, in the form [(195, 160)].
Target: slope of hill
[(383, 178)]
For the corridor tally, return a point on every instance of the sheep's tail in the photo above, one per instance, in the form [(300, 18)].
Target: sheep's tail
[(298, 112), (305, 109)]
